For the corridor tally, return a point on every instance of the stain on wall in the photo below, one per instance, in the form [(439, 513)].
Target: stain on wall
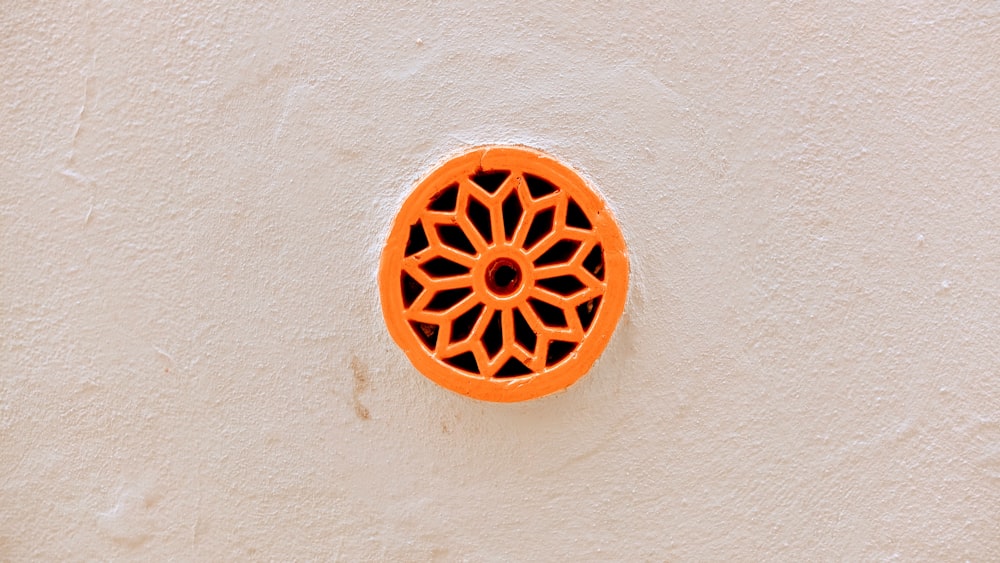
[(361, 384)]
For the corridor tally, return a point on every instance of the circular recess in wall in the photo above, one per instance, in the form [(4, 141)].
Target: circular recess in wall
[(504, 275)]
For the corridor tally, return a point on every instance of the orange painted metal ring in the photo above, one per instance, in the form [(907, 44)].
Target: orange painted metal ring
[(504, 275)]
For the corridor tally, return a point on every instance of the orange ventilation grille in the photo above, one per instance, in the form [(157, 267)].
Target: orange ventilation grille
[(504, 275)]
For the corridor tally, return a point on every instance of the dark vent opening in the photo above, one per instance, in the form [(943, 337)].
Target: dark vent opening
[(448, 298), (538, 187), (493, 337), (512, 368), (465, 361), (479, 215), (512, 211), (562, 285), (575, 217), (558, 350), (550, 315), (442, 268), (541, 225), (505, 275), (453, 236), (594, 262), (523, 334), (417, 240), (445, 200), (492, 180), (462, 327), (561, 252), (427, 333), (587, 311), (411, 289)]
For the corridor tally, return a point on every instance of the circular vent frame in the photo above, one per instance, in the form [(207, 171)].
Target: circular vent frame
[(504, 275)]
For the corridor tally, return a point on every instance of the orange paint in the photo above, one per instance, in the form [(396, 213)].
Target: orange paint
[(504, 275)]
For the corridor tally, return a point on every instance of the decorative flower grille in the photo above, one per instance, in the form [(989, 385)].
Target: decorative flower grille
[(498, 272)]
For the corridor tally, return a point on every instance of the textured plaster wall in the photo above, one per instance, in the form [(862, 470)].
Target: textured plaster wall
[(193, 364)]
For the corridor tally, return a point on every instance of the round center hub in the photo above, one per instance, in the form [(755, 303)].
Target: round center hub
[(503, 276)]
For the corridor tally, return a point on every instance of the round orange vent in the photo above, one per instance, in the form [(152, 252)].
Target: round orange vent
[(504, 275)]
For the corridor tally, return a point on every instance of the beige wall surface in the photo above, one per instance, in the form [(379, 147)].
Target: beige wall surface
[(193, 362)]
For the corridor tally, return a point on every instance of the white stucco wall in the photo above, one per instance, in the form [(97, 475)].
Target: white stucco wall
[(193, 364)]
